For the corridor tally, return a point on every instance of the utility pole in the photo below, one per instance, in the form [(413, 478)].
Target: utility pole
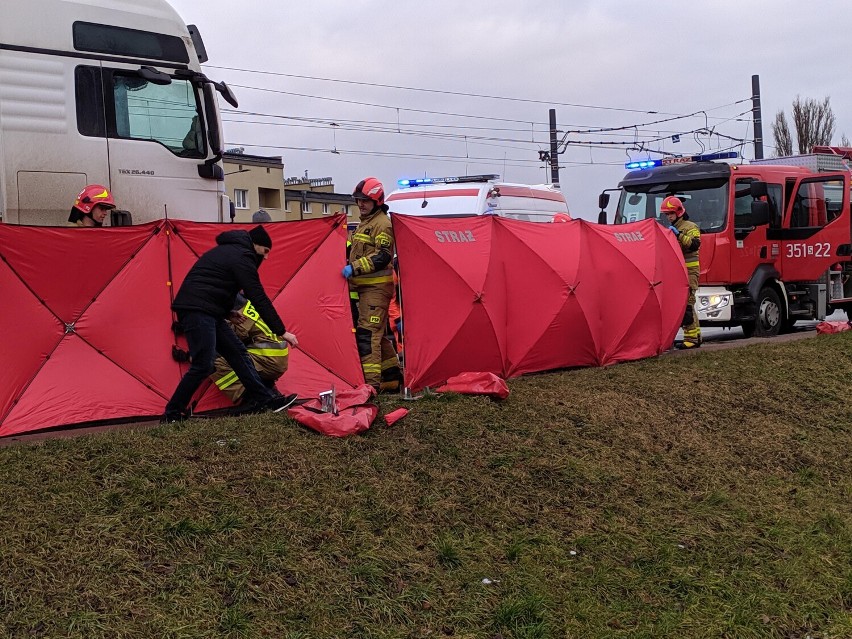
[(554, 150), (755, 112)]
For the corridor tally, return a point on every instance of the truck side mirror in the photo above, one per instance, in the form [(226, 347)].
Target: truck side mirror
[(603, 201), (214, 134), (227, 94), (757, 189), (118, 217), (760, 213)]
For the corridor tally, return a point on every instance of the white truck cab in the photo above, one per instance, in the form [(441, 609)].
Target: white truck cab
[(107, 92), (478, 195)]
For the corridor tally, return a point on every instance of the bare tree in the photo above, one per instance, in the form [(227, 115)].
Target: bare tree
[(781, 133), (813, 121), (844, 141)]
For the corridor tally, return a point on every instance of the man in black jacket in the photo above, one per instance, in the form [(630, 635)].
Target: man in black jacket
[(203, 302)]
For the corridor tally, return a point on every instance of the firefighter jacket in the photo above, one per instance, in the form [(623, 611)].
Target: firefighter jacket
[(212, 284), (267, 353), (689, 240), (372, 250)]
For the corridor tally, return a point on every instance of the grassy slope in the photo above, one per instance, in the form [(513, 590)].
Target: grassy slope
[(699, 496)]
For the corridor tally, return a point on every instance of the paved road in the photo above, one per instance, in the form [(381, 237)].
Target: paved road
[(718, 338)]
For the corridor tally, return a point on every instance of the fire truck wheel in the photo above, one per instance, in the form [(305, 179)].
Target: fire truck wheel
[(769, 315)]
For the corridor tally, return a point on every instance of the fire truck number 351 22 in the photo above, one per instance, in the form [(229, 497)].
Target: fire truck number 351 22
[(799, 249)]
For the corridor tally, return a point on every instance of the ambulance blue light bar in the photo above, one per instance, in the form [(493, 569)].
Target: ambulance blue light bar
[(447, 180), (706, 157)]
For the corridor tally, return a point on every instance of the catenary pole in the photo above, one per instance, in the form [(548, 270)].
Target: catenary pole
[(758, 123), (554, 150)]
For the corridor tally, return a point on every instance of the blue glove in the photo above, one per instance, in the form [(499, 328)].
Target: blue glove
[(347, 271), (674, 230)]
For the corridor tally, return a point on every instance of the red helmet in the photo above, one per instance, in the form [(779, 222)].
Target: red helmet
[(561, 217), (370, 189), (93, 195), (672, 204)]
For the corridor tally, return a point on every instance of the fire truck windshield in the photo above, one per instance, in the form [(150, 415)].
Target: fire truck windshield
[(706, 202)]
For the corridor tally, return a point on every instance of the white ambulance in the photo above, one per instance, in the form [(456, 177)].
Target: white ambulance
[(478, 195)]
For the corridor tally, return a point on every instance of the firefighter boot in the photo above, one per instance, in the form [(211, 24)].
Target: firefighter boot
[(687, 344)]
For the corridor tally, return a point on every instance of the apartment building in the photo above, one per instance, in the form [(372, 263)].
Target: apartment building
[(309, 198), (254, 182), (257, 182)]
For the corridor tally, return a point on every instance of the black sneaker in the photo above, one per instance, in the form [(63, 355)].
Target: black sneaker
[(170, 417), (277, 404), (250, 407)]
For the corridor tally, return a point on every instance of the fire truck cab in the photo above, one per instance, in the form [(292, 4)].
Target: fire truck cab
[(776, 234)]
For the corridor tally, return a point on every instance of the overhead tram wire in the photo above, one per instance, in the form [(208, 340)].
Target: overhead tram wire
[(396, 127), (488, 141), (476, 140), (341, 121), (516, 162), (379, 106), (430, 112), (447, 92)]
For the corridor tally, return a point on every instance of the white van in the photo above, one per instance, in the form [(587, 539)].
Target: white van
[(478, 195)]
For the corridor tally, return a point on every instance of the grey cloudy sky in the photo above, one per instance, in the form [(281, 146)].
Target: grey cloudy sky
[(633, 62)]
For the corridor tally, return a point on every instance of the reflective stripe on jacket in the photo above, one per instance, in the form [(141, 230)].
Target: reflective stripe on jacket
[(372, 250), (689, 240)]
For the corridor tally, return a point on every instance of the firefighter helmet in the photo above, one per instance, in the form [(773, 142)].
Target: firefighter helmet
[(370, 189), (93, 195), (672, 204)]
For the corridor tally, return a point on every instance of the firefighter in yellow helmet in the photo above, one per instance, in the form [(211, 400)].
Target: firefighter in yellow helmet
[(689, 237), (370, 274)]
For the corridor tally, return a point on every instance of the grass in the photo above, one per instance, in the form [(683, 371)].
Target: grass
[(708, 495)]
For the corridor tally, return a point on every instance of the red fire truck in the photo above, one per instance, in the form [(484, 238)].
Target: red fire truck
[(776, 234)]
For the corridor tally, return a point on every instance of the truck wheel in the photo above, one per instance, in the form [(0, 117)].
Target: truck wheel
[(769, 314)]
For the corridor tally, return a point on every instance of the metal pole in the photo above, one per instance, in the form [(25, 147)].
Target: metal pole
[(758, 123), (554, 150)]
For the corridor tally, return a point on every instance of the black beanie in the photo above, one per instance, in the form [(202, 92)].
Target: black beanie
[(260, 237)]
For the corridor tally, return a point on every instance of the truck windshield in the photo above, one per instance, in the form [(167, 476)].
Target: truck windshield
[(706, 202)]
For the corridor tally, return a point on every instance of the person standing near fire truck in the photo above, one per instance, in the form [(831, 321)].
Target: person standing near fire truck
[(370, 274), (689, 237)]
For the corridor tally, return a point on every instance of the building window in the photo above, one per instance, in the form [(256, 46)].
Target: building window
[(241, 198), (325, 209), (349, 211), (269, 198), (306, 207)]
